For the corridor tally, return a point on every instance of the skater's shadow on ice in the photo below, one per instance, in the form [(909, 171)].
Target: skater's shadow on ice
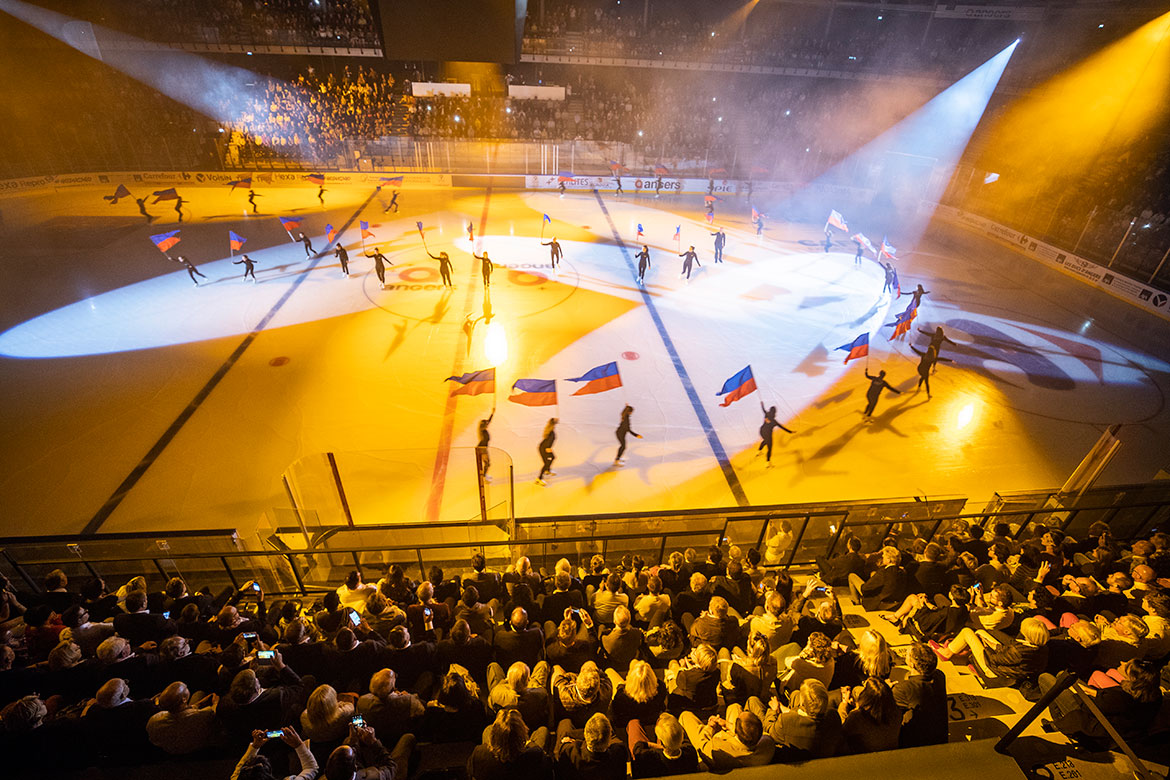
[(442, 306), (399, 337), (885, 421), (864, 317), (824, 300)]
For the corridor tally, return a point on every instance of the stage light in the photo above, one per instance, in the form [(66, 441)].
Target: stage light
[(495, 344), (966, 414)]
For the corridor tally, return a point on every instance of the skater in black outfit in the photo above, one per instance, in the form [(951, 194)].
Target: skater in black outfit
[(486, 267), (766, 430), (179, 206), (859, 255), (192, 271), (252, 200), (624, 430), (720, 242), (321, 193), (759, 224), (308, 244), (876, 385), (485, 460), (689, 257), (658, 186), (545, 449), (380, 263), (340, 253), (470, 231), (617, 181), (643, 258), (249, 266), (917, 294), (554, 250), (393, 203), (889, 285), (444, 267), (142, 210), (937, 339), (828, 241), (929, 359)]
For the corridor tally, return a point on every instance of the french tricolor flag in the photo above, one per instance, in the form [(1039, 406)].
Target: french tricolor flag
[(474, 382), (836, 220), (738, 386), (598, 380), (858, 348), (534, 392)]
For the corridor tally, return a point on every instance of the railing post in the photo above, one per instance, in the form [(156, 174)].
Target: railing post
[(797, 540), (1063, 682), (231, 574), (296, 572), (340, 488)]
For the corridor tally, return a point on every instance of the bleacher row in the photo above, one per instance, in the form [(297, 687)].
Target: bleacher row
[(703, 662)]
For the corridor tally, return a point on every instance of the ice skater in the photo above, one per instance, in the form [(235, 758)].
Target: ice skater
[(481, 449), (252, 200), (192, 271), (380, 263), (321, 194), (308, 244), (142, 210), (444, 267), (340, 253), (876, 385), (658, 186), (393, 203), (617, 185), (828, 240), (720, 242), (766, 430), (624, 430), (643, 258), (937, 339), (554, 250), (561, 187), (689, 257), (860, 253), (759, 223), (485, 267), (917, 295), (546, 452), (249, 266), (179, 206), (930, 359), (470, 231), (891, 277)]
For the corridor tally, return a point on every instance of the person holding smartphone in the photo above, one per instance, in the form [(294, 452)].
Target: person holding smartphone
[(288, 735)]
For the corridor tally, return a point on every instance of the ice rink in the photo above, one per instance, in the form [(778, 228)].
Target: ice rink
[(133, 400)]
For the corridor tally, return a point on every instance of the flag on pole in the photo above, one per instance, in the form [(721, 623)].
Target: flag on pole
[(710, 217), (678, 232), (858, 348), (756, 215), (711, 198), (365, 227), (236, 240), (901, 323), (474, 382), (713, 171), (836, 220), (547, 219), (330, 234), (865, 242), (165, 241), (290, 224), (119, 193), (393, 181), (598, 380), (534, 392), (639, 230), (245, 182), (738, 386), (661, 170), (615, 166), (315, 178), (564, 176), (169, 194), (420, 230), (887, 249)]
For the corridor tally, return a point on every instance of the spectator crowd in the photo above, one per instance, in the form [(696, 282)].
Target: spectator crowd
[(715, 660)]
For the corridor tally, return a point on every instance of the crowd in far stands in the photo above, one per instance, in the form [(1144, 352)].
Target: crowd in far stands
[(716, 660)]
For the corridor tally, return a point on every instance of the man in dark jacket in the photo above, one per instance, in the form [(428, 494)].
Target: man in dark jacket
[(887, 588), (922, 697), (836, 570), (519, 641)]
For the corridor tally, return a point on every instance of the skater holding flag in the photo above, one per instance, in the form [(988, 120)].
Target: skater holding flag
[(444, 260), (624, 430), (769, 427), (545, 448), (249, 266)]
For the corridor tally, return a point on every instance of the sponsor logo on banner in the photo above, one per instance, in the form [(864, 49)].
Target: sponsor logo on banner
[(1159, 300)]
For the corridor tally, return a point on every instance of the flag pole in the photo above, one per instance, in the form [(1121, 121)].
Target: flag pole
[(543, 222)]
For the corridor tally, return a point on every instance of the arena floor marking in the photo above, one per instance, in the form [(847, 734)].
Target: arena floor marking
[(442, 456), (708, 429), (173, 429)]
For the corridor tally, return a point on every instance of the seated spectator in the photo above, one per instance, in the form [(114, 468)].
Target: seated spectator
[(666, 643), (674, 575), (1076, 651), (622, 643), (638, 697), (177, 662), (508, 752), (635, 578), (667, 755), (692, 602), (396, 586), (608, 599), (97, 601), (521, 690), (922, 698), (118, 659), (249, 705), (714, 626), (1121, 640), (1130, 707), (79, 629), (414, 662), (816, 661), (573, 645), (871, 658), (176, 598), (445, 590), (594, 755), (332, 617), (477, 614), (870, 719), (991, 611), (523, 573), (116, 724), (355, 660), (775, 624), (729, 743), (825, 614), (42, 631), (316, 659), (931, 574), (691, 683), (1014, 663), (354, 593), (519, 641), (254, 765), (836, 571), (469, 651), (485, 581), (653, 606), (387, 710), (563, 597), (183, 727), (887, 588), (1157, 619), (595, 576), (326, 717), (920, 617), (57, 595), (580, 695), (736, 589), (428, 619), (807, 728), (382, 617), (456, 714), (747, 674), (138, 626)]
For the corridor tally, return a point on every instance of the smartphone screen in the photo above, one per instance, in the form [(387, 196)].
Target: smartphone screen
[(355, 618), (265, 656), (358, 720), (274, 734)]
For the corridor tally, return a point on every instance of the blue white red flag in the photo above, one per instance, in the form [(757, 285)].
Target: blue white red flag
[(865, 242), (564, 176), (836, 220), (661, 170), (315, 178), (738, 386), (534, 392), (330, 234), (290, 223), (639, 230), (598, 380), (245, 183), (857, 348), (121, 192), (474, 382), (677, 232), (165, 241), (547, 219), (887, 249), (236, 240), (365, 228), (393, 181)]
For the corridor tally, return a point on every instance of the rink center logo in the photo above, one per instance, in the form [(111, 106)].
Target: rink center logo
[(427, 278)]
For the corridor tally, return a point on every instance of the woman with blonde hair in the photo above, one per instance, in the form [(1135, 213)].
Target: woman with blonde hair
[(872, 658), (1002, 663), (747, 673), (640, 697), (327, 715)]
